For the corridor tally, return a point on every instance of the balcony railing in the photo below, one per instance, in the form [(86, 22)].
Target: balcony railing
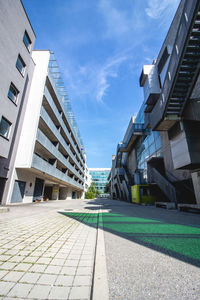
[(44, 167), (136, 129)]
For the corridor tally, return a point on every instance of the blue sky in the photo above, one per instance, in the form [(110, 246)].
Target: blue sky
[(101, 46)]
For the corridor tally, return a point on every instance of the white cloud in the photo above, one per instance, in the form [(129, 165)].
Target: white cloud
[(116, 21), (109, 70), (156, 8)]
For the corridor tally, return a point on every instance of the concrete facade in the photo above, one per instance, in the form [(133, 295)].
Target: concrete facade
[(49, 162), (13, 105), (166, 155)]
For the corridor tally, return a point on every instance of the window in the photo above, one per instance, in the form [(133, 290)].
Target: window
[(27, 40), (4, 127), (13, 93), (20, 64)]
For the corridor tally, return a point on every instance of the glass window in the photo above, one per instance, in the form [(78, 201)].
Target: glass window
[(158, 143), (163, 72), (152, 149), (5, 127), (20, 64), (13, 93), (27, 40)]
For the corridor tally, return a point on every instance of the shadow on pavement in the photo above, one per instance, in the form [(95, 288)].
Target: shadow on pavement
[(173, 239)]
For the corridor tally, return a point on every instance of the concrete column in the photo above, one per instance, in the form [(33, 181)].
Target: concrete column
[(55, 192), (63, 193), (82, 195), (69, 193), (196, 184)]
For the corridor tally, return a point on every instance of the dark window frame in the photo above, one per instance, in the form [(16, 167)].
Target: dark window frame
[(15, 98), (21, 61), (27, 41), (10, 124)]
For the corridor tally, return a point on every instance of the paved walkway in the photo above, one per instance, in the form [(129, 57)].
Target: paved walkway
[(48, 255), (56, 250)]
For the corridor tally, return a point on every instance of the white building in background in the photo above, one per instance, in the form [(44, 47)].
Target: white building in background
[(88, 179), (50, 160)]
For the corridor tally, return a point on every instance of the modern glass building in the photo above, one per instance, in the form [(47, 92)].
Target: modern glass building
[(100, 178), (148, 146)]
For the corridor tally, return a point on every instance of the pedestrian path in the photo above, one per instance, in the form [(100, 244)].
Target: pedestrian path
[(47, 256)]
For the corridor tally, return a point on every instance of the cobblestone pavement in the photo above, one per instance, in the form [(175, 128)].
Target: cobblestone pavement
[(48, 255)]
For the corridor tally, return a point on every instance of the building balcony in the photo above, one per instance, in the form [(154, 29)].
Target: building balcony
[(136, 130), (60, 98), (44, 167), (59, 118), (47, 144), (149, 81), (49, 123)]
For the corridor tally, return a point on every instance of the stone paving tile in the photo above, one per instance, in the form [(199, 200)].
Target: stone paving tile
[(68, 271), (82, 281), (30, 278), (13, 276), (4, 257), (30, 259), (37, 268), (85, 263), (44, 260), (47, 279), (57, 262), (53, 269), (63, 280), (8, 265), (5, 287), (3, 273), (71, 263), (20, 290), (16, 259), (80, 293), (39, 292), (23, 267), (84, 271), (59, 293)]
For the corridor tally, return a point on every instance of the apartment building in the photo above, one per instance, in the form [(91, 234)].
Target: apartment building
[(50, 160), (16, 43), (162, 147)]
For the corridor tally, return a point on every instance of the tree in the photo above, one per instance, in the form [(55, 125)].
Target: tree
[(92, 192)]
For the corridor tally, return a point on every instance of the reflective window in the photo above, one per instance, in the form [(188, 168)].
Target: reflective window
[(20, 64), (27, 40), (13, 93), (5, 127)]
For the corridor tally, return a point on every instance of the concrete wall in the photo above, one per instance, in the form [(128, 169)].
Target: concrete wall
[(30, 125), (13, 23)]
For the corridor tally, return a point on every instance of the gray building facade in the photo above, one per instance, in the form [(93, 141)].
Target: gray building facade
[(167, 153), (16, 43)]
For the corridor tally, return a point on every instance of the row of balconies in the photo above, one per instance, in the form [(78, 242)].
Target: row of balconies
[(47, 168), (75, 142), (57, 117), (52, 133), (57, 155)]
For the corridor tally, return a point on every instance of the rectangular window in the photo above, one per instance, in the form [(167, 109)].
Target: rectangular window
[(20, 65), (27, 40), (5, 127), (13, 93)]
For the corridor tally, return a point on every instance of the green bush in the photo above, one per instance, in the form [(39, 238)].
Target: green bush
[(89, 195)]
